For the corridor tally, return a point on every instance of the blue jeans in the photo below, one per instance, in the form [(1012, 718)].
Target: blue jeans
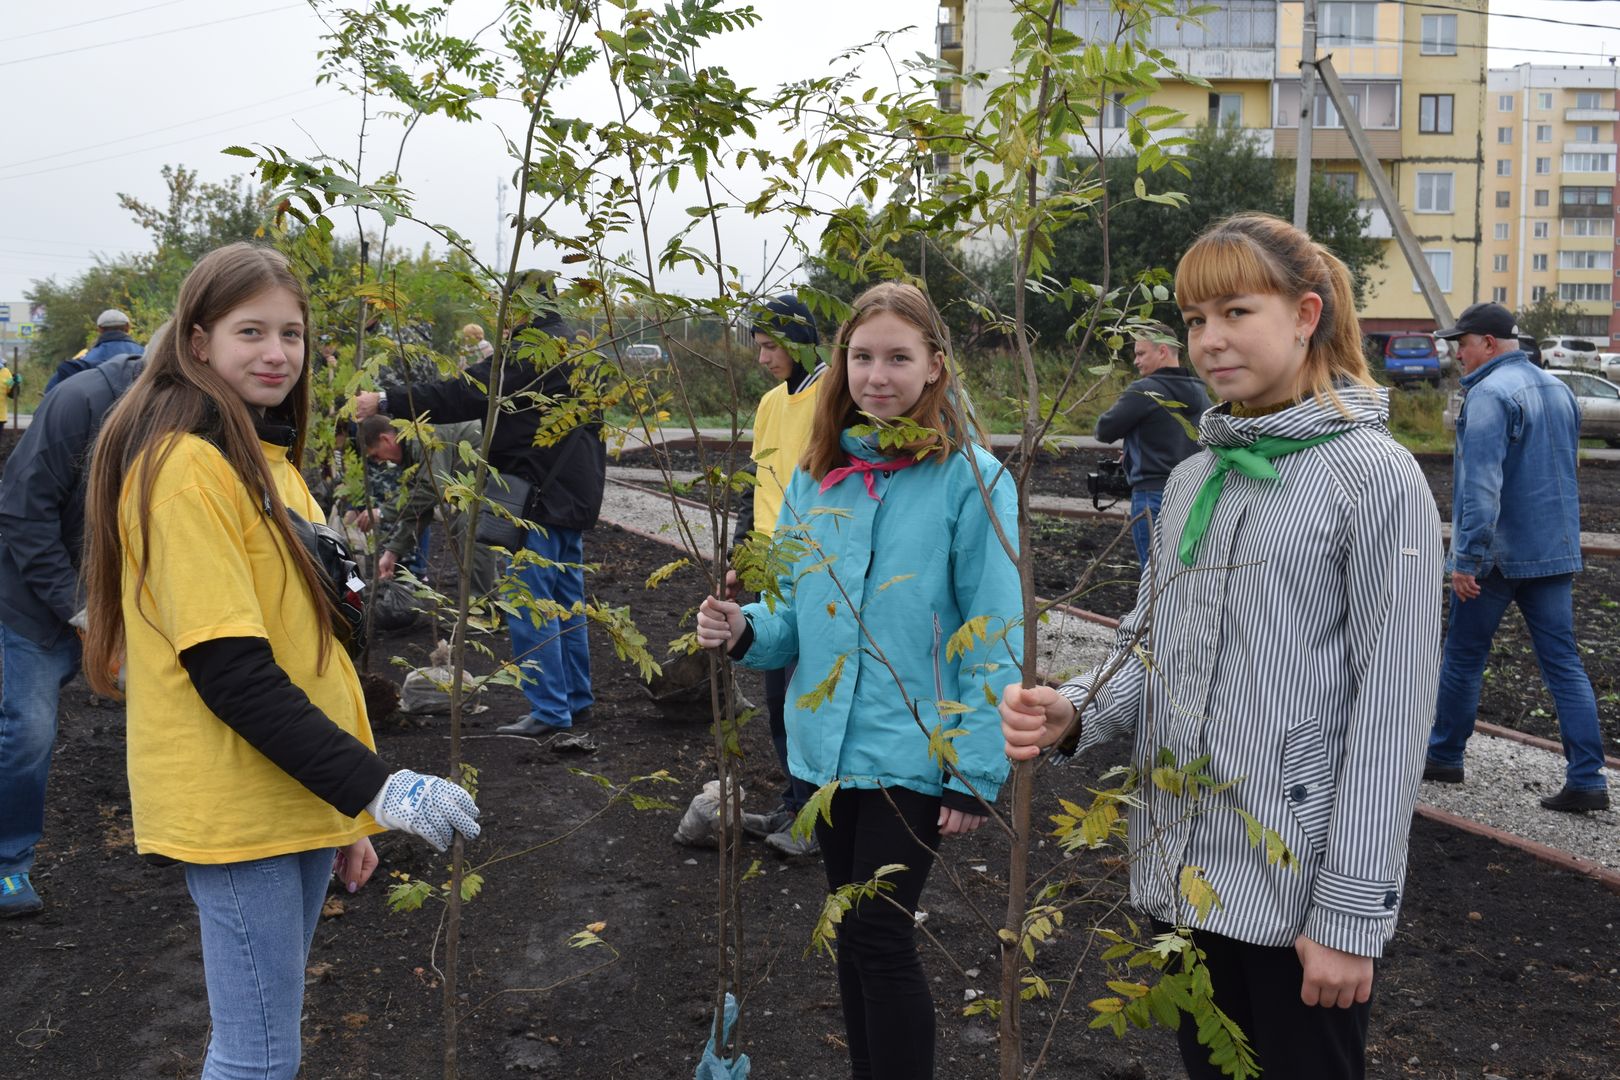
[(555, 657), (258, 919), (1549, 613), (1142, 527), (30, 685), (417, 561)]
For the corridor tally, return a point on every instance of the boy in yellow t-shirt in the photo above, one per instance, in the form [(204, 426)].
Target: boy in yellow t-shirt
[(785, 334)]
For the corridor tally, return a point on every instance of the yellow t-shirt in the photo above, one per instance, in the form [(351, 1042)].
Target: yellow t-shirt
[(782, 422), (199, 792)]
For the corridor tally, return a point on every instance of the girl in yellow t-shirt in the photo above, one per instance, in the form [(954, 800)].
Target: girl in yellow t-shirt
[(251, 760)]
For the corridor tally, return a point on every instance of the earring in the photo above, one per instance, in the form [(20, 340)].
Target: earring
[(931, 381), (1299, 339)]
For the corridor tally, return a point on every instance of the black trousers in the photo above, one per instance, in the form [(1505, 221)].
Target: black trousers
[(888, 1010), (1258, 987)]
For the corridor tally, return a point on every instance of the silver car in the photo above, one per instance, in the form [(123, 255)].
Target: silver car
[(1598, 399)]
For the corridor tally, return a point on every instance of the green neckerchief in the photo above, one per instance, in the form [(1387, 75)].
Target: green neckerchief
[(1253, 461)]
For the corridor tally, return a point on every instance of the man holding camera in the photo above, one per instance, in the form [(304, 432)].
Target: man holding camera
[(1147, 416)]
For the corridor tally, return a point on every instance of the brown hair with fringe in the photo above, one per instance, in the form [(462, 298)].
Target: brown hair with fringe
[(939, 408), (1259, 253), (178, 395)]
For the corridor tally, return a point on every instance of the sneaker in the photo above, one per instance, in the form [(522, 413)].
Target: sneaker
[(1577, 800), (1442, 774), (17, 897), (531, 725), (762, 825), (786, 844)]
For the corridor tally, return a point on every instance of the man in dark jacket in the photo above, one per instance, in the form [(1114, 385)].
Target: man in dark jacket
[(1155, 440), (114, 340), (567, 477), (41, 533)]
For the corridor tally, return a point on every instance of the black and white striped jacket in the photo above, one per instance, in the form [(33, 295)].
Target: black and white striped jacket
[(1302, 654)]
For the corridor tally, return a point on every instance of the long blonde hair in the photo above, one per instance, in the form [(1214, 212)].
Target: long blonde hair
[(1259, 253), (940, 407), (178, 395)]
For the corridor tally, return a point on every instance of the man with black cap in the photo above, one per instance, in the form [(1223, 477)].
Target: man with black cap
[(1515, 538), (112, 340), (785, 334)]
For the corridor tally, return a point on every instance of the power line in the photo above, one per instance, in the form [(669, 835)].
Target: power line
[(1501, 14), (156, 131), (160, 146), (87, 22), (143, 37)]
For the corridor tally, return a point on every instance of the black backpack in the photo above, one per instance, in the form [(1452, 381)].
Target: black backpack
[(344, 584)]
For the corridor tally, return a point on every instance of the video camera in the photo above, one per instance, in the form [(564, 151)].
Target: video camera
[(1108, 482)]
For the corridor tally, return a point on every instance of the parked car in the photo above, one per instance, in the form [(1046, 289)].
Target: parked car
[(1609, 362), (644, 354), (1412, 357), (1533, 347), (1569, 352), (1598, 399)]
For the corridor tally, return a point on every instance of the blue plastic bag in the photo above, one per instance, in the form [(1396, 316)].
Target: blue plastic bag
[(711, 1067)]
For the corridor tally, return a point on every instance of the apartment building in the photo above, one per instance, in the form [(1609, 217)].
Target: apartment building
[(1551, 186), (1415, 76)]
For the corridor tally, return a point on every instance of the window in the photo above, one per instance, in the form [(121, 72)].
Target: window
[(1439, 35), (1592, 226), (1504, 135), (1544, 100), (1499, 231), (1226, 110), (1586, 133), (1499, 295), (1434, 193), (1584, 290), (1440, 266), (1236, 24), (1589, 163), (1538, 293), (1586, 260), (1543, 133), (1499, 264), (1538, 263), (1434, 114), (1540, 230), (1340, 23), (1342, 182), (1119, 113), (1504, 103), (1593, 326), (1502, 200), (1504, 167), (1588, 99), (1375, 104), (1587, 196), (1542, 197), (1543, 166)]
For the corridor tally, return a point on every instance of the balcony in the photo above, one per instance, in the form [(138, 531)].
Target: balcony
[(1591, 115), (1378, 226), (1224, 63), (1589, 148), (949, 36), (1585, 210)]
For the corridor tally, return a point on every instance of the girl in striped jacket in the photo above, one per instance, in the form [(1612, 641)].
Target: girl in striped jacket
[(1292, 613)]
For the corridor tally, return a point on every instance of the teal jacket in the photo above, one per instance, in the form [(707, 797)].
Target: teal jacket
[(916, 562)]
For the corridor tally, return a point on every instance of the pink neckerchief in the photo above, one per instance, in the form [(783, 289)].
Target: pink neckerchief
[(866, 469)]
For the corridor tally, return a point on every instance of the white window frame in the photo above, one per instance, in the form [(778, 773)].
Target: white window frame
[(1579, 292), (1499, 264), (1499, 294), (1540, 230), (1439, 260), (1504, 136), (1594, 259), (1504, 200), (1543, 166), (1588, 99), (1504, 166), (1538, 263), (1434, 188), (1438, 35), (1585, 162), (1362, 18), (1500, 231), (1538, 293), (1504, 102), (1544, 99), (1543, 197), (1588, 226), (1543, 133), (1587, 133)]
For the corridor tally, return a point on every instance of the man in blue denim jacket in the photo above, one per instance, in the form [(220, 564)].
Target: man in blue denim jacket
[(1515, 538)]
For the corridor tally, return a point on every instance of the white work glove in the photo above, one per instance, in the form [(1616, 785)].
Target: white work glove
[(429, 806)]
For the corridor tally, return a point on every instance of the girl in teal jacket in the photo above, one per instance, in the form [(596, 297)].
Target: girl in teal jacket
[(902, 552)]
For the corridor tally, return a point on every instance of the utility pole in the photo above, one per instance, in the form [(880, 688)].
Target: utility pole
[(500, 222), (1404, 236), (1307, 114)]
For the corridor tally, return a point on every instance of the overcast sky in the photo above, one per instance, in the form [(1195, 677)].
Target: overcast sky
[(100, 94)]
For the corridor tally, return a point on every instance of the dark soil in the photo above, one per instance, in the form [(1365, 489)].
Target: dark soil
[(1502, 965)]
